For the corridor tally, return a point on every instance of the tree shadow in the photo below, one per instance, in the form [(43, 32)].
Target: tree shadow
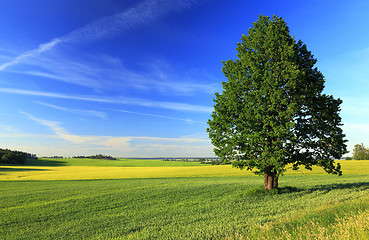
[(45, 163), (3, 170), (7, 169), (329, 187), (325, 188)]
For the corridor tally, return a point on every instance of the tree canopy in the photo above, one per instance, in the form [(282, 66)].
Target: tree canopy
[(272, 112), (14, 157), (360, 152)]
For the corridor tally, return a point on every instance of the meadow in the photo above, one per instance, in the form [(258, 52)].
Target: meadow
[(153, 199)]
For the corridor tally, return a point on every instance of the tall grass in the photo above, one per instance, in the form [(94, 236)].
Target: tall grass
[(345, 220)]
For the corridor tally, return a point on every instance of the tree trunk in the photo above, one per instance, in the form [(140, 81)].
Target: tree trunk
[(275, 181), (265, 180), (270, 181)]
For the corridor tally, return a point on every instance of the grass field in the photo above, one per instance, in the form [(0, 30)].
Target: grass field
[(51, 162), (162, 200)]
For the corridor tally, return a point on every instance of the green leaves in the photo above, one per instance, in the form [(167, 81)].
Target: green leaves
[(360, 152), (272, 111)]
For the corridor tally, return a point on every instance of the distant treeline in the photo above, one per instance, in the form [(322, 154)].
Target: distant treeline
[(212, 161), (98, 156), (216, 161), (15, 157)]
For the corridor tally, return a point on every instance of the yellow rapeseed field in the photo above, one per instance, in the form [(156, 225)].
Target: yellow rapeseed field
[(97, 172), (89, 172)]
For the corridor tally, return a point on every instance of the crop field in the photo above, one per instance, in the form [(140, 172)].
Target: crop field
[(153, 199)]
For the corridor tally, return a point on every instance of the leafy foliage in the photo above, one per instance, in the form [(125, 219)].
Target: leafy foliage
[(98, 156), (360, 152), (14, 157), (272, 111)]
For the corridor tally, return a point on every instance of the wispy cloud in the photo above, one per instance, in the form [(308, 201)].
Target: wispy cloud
[(64, 134), (158, 116), (92, 113), (8, 129), (109, 26), (56, 65), (139, 146), (101, 72), (61, 132), (32, 53), (143, 13), (165, 78), (117, 100)]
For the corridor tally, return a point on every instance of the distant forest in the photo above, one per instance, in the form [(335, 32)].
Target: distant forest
[(15, 157), (98, 156)]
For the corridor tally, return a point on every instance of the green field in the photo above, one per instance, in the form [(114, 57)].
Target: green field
[(52, 162), (205, 202)]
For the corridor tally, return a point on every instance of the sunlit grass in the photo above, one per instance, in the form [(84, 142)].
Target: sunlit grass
[(109, 163), (345, 220), (153, 199), (180, 208)]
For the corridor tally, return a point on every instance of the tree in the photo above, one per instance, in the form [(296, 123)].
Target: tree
[(272, 112), (360, 152), (14, 157), (100, 156)]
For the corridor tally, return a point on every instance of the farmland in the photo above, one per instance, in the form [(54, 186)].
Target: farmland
[(152, 199)]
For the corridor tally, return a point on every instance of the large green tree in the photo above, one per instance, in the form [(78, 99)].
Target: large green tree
[(272, 112)]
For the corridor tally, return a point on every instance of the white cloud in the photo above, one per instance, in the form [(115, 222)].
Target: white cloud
[(162, 76), (175, 150), (92, 113), (104, 72), (55, 66), (159, 116), (32, 53), (8, 128), (61, 132), (101, 72), (109, 26), (142, 146), (188, 140), (125, 101)]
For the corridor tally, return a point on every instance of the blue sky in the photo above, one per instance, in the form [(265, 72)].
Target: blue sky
[(137, 78)]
